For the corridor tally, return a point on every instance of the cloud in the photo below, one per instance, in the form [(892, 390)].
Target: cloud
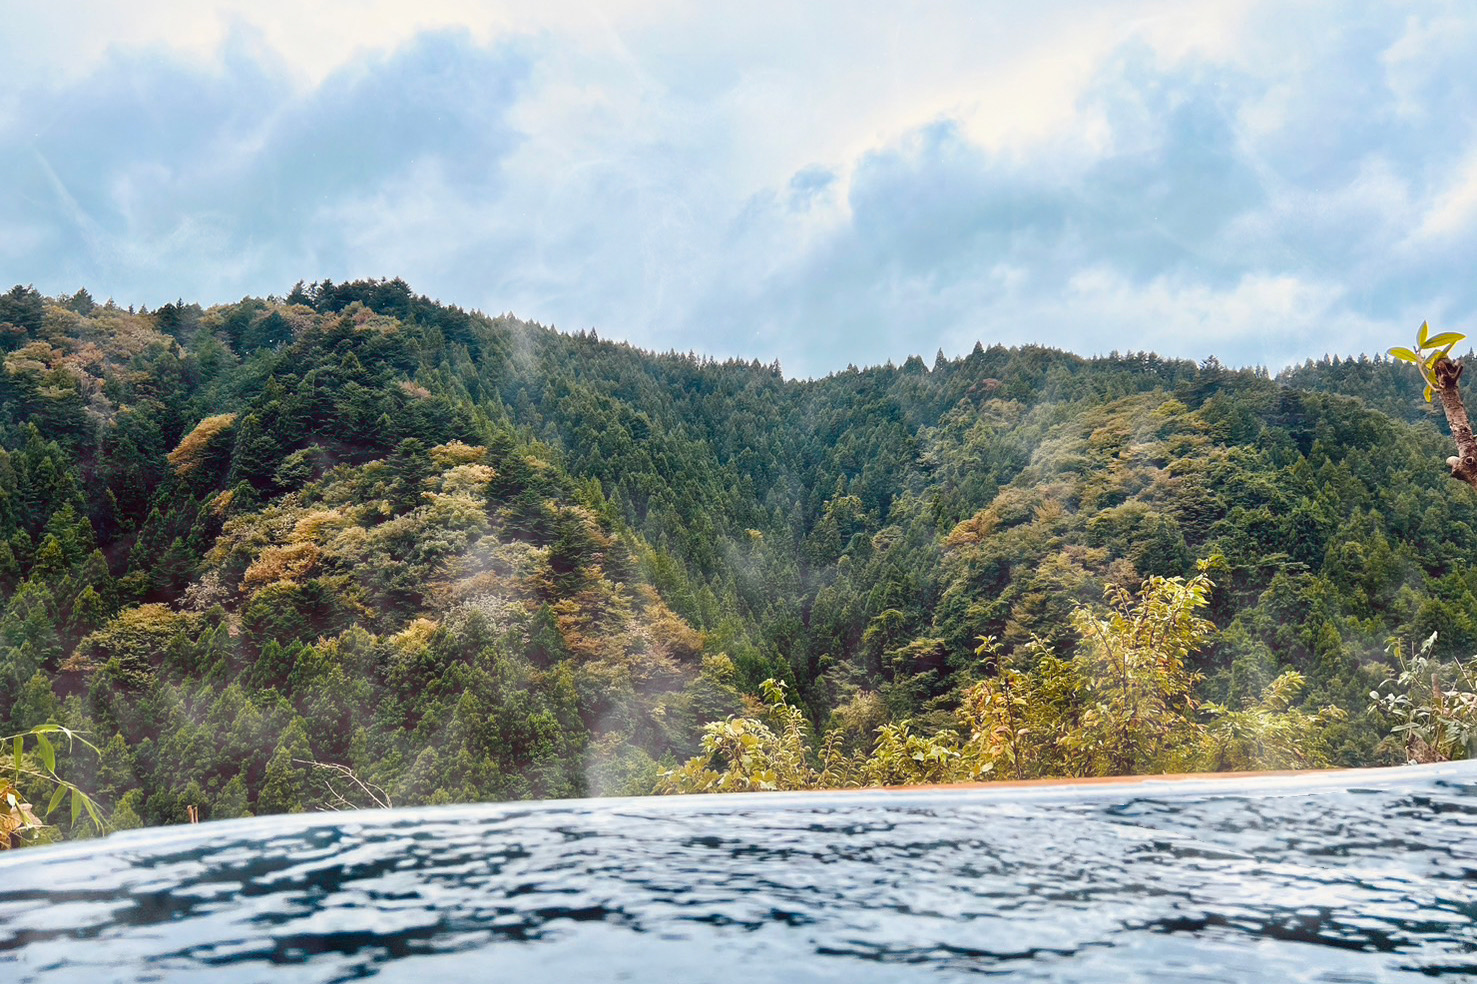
[(1270, 317), (1452, 210), (822, 184), (944, 237), (160, 177), (1267, 207)]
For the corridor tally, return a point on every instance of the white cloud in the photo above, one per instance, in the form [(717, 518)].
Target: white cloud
[(1276, 314), (1419, 59), (823, 182), (1452, 210), (65, 42)]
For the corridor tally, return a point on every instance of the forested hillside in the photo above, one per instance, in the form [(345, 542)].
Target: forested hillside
[(467, 557)]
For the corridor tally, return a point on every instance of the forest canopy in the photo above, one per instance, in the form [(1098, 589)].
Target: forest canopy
[(280, 554)]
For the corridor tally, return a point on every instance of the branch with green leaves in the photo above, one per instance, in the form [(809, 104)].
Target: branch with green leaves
[(1432, 704), (1430, 350), (1432, 356), (33, 768)]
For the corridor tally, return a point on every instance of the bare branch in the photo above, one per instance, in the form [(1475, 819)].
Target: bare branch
[(338, 801)]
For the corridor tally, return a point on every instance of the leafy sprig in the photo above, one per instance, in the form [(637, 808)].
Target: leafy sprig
[(16, 815), (1429, 351)]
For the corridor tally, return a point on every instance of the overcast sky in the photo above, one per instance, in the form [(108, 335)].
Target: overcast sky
[(822, 182)]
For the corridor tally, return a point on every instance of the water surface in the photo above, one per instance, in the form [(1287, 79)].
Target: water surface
[(1342, 877)]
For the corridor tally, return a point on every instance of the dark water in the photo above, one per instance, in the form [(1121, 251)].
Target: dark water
[(1350, 877)]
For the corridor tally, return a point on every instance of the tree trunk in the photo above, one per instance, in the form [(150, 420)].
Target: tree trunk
[(1464, 462)]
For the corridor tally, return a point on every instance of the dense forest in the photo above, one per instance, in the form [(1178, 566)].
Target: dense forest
[(355, 546)]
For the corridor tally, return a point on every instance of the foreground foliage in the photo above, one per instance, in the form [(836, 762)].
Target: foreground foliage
[(1122, 705), (31, 772), (1433, 705)]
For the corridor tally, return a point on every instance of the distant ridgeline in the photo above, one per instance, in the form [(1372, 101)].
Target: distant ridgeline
[(287, 554)]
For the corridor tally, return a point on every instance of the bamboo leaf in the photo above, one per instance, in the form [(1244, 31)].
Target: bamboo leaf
[(76, 806), (91, 808), (19, 748), (56, 799), (48, 753), (76, 736)]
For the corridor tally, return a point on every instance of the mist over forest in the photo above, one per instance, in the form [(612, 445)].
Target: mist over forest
[(353, 546)]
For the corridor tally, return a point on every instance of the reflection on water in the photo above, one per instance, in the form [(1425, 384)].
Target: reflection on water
[(1348, 877)]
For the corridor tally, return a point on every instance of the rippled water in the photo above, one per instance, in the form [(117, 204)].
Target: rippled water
[(1368, 876)]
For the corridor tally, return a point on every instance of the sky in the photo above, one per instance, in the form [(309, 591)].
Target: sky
[(822, 183)]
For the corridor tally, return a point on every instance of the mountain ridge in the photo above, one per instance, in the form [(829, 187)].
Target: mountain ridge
[(473, 557)]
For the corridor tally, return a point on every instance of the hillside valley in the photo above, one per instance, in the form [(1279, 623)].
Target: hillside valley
[(355, 546)]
